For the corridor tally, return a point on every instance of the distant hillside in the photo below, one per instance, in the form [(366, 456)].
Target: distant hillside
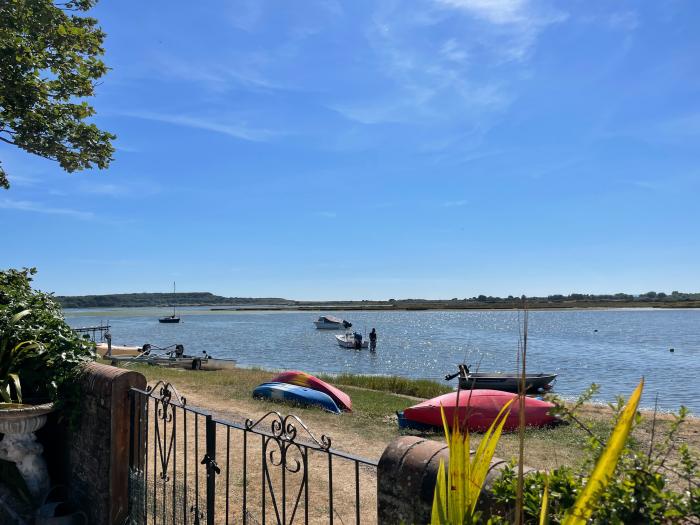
[(162, 299), (649, 299)]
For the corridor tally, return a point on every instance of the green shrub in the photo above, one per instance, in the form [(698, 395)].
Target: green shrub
[(52, 373), (647, 487)]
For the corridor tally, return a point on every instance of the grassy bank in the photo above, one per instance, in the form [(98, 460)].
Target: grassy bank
[(372, 424)]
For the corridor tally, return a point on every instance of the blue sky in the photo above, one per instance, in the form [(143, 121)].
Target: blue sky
[(366, 149)]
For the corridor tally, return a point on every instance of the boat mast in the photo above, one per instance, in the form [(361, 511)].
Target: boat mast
[(173, 299)]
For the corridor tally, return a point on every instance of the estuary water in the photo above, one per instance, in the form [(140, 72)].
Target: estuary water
[(612, 348)]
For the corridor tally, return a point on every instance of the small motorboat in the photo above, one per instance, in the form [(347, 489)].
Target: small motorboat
[(329, 322), (477, 409), (295, 377), (103, 349), (174, 357), (298, 395), (352, 340), (534, 383)]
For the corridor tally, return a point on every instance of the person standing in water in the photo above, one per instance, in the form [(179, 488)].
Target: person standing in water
[(373, 340)]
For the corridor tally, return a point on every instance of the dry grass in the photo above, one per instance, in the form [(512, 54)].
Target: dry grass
[(364, 432)]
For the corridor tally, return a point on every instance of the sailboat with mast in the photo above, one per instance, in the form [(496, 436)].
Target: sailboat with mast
[(171, 318)]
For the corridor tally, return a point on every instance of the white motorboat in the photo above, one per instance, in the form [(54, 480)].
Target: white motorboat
[(352, 340), (103, 349), (329, 322), (176, 359)]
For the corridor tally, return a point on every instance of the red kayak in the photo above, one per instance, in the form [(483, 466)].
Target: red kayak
[(480, 408), (295, 377)]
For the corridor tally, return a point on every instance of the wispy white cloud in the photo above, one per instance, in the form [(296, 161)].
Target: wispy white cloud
[(494, 11), (327, 214), (37, 207), (232, 127), (516, 24), (451, 79), (238, 71)]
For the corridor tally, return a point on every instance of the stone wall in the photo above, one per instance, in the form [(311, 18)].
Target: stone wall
[(406, 478), (98, 450)]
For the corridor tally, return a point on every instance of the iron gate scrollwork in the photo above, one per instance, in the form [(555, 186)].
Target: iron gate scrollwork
[(265, 468)]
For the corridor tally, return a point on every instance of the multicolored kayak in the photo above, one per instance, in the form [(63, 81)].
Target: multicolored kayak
[(295, 377), (479, 408), (296, 394)]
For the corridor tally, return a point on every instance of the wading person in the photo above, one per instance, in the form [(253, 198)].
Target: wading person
[(373, 340)]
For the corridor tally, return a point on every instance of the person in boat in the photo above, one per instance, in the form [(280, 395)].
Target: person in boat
[(358, 340), (373, 339)]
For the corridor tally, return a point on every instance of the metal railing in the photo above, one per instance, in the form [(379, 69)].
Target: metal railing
[(187, 466)]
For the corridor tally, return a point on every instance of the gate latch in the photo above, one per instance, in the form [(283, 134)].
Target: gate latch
[(210, 464)]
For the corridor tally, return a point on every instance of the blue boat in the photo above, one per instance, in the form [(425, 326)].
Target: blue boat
[(296, 394), (407, 424)]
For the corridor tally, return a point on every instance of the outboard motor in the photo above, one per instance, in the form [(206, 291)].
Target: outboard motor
[(179, 350), (347, 324), (463, 372)]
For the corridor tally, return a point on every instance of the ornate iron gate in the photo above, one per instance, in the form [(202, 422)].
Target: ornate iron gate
[(188, 467)]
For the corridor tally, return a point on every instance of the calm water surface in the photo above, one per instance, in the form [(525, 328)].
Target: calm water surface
[(628, 344)]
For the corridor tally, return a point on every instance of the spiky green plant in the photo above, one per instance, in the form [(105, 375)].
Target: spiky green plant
[(10, 355), (457, 493)]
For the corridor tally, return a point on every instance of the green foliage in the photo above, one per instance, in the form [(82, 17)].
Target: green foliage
[(10, 356), (457, 494), (50, 369), (49, 60), (647, 487)]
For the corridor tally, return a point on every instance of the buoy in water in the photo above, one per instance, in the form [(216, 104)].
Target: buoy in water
[(595, 330), (671, 350)]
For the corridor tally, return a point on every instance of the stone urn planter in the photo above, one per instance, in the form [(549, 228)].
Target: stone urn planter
[(18, 423)]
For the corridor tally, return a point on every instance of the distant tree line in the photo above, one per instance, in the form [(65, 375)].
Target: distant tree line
[(162, 299), (209, 299)]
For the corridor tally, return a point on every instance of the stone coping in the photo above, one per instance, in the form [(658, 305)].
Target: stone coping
[(23, 411)]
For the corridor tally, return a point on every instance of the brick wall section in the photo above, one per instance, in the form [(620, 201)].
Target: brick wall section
[(406, 478), (98, 456)]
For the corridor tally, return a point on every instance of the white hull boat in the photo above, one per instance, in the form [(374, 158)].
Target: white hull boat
[(349, 341), (329, 322), (176, 359), (117, 350)]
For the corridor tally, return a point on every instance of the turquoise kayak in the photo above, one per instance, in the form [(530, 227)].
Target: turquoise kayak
[(295, 394)]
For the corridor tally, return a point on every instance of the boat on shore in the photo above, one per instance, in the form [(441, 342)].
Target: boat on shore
[(506, 382), (105, 349), (297, 395), (352, 340), (330, 322), (174, 357), (477, 409), (296, 377)]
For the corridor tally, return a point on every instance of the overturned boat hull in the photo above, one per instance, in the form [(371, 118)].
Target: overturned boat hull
[(477, 409), (295, 394)]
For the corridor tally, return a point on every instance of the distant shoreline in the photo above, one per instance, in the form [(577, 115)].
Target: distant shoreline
[(390, 308), (482, 302)]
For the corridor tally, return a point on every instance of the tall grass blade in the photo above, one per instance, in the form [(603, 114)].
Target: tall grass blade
[(484, 453), (544, 509), (605, 467)]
